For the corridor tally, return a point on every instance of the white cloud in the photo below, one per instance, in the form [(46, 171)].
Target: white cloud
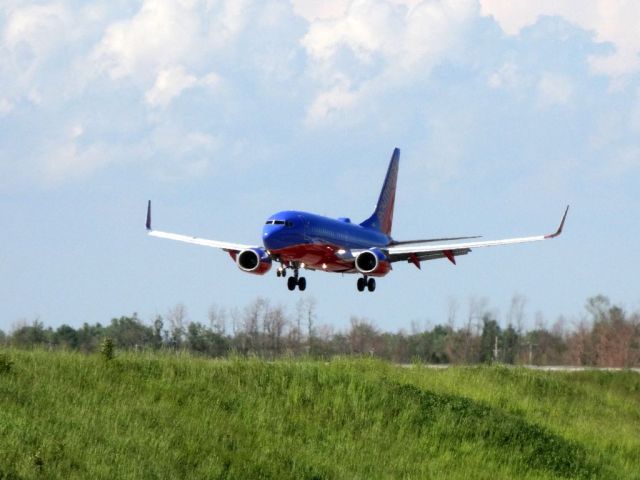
[(334, 100), (169, 83), (554, 89), (313, 10), (612, 21), (161, 34), (392, 42), (32, 35), (38, 28), (165, 33)]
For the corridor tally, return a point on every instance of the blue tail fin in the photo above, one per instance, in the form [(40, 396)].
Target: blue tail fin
[(382, 218)]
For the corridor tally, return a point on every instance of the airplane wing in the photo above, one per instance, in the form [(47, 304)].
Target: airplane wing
[(227, 246), (417, 253)]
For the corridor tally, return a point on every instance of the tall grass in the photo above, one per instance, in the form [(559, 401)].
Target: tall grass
[(66, 415)]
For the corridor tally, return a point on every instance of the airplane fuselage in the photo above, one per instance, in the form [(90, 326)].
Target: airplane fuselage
[(318, 242)]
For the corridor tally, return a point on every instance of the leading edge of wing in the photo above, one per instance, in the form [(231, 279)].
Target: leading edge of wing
[(399, 250), (229, 246)]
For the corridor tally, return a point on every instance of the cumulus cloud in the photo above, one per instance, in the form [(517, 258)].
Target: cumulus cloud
[(161, 34), (612, 21), (313, 10), (336, 99), (169, 83), (38, 28), (165, 33), (390, 43), (32, 36)]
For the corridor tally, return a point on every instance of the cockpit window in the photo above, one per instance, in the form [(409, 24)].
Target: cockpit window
[(269, 222), (276, 222)]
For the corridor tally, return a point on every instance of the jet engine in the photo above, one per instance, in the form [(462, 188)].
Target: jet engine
[(254, 260), (372, 262)]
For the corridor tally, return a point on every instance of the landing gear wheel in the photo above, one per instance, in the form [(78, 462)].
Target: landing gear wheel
[(283, 273), (371, 284), (278, 273), (361, 284), (291, 283), (302, 284)]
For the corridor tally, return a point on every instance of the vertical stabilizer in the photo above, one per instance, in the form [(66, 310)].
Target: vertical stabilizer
[(382, 218)]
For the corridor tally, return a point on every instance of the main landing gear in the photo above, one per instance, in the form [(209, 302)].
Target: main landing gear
[(295, 280), (364, 282), (300, 282)]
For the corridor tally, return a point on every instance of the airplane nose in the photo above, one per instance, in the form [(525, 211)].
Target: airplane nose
[(268, 237)]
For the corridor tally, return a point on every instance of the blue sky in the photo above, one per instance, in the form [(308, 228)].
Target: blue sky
[(223, 112)]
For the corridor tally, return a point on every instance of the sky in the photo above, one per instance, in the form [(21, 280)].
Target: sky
[(226, 111)]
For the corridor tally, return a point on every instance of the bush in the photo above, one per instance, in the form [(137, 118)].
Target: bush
[(107, 349), (5, 363)]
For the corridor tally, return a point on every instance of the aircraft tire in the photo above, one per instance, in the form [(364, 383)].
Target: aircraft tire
[(361, 284), (371, 284), (302, 284), (291, 283)]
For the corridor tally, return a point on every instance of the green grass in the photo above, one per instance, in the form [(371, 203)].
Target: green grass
[(67, 415)]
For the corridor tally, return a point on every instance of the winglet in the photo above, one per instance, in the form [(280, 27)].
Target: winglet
[(148, 224), (559, 231)]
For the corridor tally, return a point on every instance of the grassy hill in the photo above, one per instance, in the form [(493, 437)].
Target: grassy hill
[(67, 415)]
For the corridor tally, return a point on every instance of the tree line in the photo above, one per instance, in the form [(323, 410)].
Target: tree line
[(606, 335)]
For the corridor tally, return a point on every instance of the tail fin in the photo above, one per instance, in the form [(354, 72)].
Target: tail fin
[(382, 218)]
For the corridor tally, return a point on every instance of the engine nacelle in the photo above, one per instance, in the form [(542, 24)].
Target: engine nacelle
[(254, 260), (373, 262)]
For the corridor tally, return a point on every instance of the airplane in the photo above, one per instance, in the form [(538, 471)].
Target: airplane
[(300, 240)]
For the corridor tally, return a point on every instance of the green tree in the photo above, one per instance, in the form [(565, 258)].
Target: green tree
[(130, 332), (205, 341), (30, 335), (66, 336)]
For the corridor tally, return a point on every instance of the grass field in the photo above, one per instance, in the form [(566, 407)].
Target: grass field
[(67, 415)]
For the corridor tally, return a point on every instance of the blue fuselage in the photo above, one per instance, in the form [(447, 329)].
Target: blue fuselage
[(314, 239)]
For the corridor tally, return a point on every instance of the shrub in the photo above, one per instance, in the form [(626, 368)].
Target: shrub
[(107, 348), (5, 363)]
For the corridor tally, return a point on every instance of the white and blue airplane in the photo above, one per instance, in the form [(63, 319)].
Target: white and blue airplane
[(301, 240)]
